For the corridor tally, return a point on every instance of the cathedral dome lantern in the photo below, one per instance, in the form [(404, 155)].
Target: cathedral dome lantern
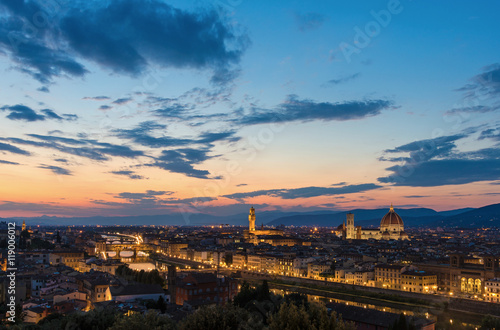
[(391, 221)]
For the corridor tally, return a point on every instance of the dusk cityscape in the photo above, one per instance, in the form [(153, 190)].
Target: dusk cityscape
[(227, 164)]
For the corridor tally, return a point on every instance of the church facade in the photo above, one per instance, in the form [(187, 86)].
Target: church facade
[(391, 227)]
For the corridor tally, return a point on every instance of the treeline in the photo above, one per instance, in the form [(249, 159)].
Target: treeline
[(253, 308), (151, 277), (287, 316)]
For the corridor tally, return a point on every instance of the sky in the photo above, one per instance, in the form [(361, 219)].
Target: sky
[(153, 107)]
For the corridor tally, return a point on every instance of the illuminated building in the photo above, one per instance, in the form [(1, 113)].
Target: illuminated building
[(391, 227)]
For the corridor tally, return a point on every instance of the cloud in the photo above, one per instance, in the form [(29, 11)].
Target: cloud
[(51, 114), (8, 163), (141, 135), (123, 36), (210, 137), (130, 174), (70, 117), (294, 109), (151, 200), (309, 21), (35, 56), (86, 148), (343, 79), (148, 194), (57, 139), (183, 154), (485, 84), (444, 172), (436, 162), (491, 133), (13, 149), (56, 169), (97, 98), (105, 107), (305, 192), (123, 100), (43, 89), (183, 161), (423, 150), (22, 112), (175, 110), (473, 109)]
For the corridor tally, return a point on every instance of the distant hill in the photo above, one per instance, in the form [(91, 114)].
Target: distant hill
[(174, 219), (414, 217), (486, 216), (362, 217), (455, 212)]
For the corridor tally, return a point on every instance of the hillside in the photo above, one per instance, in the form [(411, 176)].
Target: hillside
[(415, 217), (486, 216), (362, 217)]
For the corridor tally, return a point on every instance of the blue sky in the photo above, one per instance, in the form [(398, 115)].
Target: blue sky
[(148, 107)]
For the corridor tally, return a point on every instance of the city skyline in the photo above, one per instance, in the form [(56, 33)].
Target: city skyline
[(212, 107)]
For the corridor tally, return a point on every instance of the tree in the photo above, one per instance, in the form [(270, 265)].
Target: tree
[(333, 267), (97, 319), (490, 322), (160, 304), (320, 319), (402, 323), (221, 318), (150, 320), (263, 292), (297, 299), (245, 295), (19, 318), (312, 316), (290, 317)]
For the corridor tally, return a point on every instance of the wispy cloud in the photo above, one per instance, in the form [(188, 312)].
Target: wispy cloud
[(485, 84), (342, 79), (305, 192), (22, 112), (86, 148), (8, 162), (130, 174), (309, 21), (56, 169), (97, 98), (295, 109), (13, 149)]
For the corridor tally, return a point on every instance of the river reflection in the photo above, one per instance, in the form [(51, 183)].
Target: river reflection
[(420, 312)]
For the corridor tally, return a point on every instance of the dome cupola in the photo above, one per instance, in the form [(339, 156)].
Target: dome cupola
[(391, 220)]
